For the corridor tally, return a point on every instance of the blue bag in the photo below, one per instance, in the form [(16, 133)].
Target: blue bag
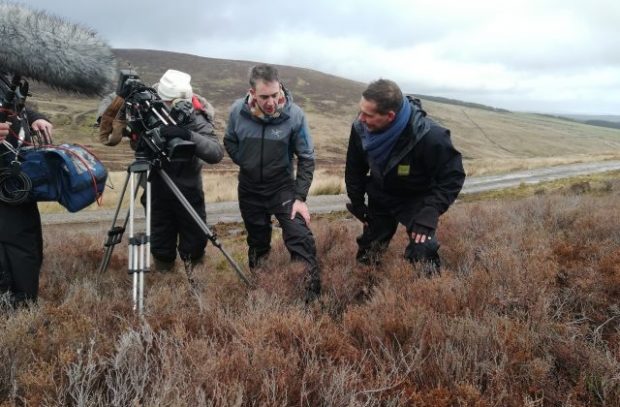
[(67, 173), (35, 166)]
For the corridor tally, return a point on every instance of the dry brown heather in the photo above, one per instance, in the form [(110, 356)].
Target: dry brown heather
[(525, 313)]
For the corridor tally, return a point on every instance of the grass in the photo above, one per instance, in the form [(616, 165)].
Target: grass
[(594, 184), (525, 313), (493, 166)]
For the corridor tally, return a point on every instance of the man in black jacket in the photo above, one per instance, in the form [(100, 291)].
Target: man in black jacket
[(21, 240), (415, 174)]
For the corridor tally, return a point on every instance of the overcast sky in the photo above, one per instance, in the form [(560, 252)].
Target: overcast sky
[(555, 56)]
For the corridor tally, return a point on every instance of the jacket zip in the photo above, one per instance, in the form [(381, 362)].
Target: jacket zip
[(262, 143)]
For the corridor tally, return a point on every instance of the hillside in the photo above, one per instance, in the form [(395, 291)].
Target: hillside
[(491, 140)]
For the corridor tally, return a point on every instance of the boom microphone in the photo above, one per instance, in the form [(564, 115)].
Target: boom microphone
[(53, 51)]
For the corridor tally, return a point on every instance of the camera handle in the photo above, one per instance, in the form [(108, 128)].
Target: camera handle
[(139, 245)]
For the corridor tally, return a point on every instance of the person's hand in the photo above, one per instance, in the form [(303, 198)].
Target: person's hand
[(4, 130), (44, 128), (300, 207), (170, 132), (421, 233), (360, 211)]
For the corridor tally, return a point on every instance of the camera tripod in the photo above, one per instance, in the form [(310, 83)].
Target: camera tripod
[(139, 243)]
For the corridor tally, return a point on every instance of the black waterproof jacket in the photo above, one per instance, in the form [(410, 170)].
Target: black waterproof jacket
[(424, 169)]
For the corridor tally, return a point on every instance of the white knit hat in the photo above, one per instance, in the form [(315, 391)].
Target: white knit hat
[(174, 85)]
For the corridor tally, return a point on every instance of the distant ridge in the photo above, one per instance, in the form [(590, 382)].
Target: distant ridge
[(603, 123), (457, 102), (587, 117), (208, 73), (612, 122)]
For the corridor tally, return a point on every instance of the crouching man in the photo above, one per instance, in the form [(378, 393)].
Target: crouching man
[(407, 166)]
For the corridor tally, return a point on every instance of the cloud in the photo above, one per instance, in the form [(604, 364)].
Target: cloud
[(555, 55)]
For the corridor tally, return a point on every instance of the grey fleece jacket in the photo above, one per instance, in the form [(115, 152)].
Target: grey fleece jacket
[(264, 149)]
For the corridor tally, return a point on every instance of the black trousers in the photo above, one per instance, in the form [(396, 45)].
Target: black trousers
[(256, 211), (383, 219), (172, 227), (21, 251)]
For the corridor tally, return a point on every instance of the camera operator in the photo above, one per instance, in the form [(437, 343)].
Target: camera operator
[(21, 240), (170, 222)]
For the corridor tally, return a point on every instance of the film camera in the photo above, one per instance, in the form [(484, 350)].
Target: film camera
[(146, 113)]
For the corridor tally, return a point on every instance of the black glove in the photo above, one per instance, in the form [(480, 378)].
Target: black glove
[(360, 211), (170, 132), (421, 230)]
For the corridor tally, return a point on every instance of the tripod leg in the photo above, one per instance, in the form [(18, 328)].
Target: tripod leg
[(188, 207), (137, 270), (115, 234), (138, 248), (144, 255)]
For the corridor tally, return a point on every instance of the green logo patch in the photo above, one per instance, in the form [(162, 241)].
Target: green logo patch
[(403, 170)]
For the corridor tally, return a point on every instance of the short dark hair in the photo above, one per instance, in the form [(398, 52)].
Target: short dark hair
[(386, 94), (264, 72)]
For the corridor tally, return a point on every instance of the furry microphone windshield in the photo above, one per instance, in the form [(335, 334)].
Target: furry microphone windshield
[(50, 50)]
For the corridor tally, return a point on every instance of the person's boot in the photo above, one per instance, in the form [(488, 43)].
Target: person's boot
[(257, 258), (163, 266), (370, 255), (313, 287)]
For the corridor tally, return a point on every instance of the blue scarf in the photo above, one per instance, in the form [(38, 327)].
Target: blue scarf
[(380, 145)]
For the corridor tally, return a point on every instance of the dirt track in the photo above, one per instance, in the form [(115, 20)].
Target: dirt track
[(228, 212)]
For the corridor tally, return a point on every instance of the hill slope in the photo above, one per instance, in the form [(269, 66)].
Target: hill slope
[(491, 140)]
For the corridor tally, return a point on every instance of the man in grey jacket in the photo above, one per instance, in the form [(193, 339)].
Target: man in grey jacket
[(265, 131)]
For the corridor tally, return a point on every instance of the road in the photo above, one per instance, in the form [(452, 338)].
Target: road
[(227, 212)]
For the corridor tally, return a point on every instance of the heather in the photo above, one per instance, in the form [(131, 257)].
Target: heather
[(525, 313)]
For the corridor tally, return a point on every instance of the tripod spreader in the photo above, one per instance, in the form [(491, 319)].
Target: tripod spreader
[(210, 235)]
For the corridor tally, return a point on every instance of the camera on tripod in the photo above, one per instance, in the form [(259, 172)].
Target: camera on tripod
[(146, 113)]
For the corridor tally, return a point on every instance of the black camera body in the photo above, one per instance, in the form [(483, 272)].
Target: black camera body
[(146, 113)]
